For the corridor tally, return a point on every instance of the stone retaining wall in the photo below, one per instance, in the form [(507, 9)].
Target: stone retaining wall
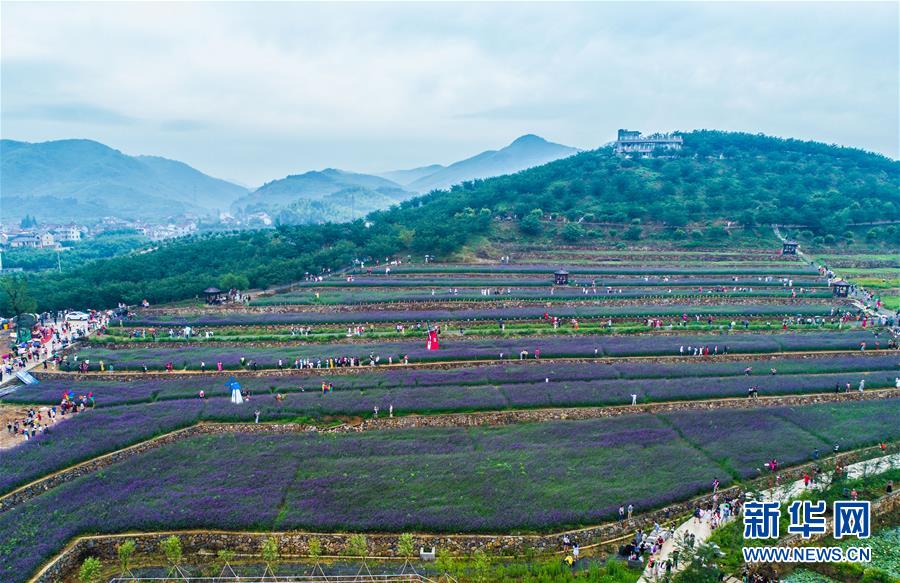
[(489, 418), (296, 544)]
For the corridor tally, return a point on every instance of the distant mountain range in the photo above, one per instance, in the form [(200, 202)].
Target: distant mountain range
[(526, 152), (82, 179), (79, 179), (319, 196), (337, 195)]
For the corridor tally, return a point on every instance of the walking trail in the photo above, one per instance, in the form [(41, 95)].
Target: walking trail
[(52, 347), (702, 531)]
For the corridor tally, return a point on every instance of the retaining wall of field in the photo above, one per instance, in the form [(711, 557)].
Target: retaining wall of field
[(384, 545), (488, 418)]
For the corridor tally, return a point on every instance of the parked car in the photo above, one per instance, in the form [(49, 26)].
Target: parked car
[(76, 316)]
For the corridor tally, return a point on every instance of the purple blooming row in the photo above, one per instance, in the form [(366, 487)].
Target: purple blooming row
[(622, 281), (775, 270), (456, 349), (508, 479), (107, 428), (477, 314), (106, 393)]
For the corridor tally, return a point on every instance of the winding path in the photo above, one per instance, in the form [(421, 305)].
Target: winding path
[(702, 530)]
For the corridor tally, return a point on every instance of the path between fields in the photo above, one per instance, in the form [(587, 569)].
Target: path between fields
[(55, 346), (702, 531)]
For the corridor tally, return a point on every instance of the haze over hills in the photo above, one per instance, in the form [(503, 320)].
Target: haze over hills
[(338, 195), (317, 196), (82, 179), (525, 152), (77, 179)]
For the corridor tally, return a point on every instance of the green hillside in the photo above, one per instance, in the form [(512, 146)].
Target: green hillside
[(719, 176)]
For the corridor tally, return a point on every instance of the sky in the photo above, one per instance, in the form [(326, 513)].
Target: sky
[(254, 92)]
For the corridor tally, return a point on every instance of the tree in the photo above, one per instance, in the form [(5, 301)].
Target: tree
[(125, 551), (406, 547), (270, 552), (90, 570), (17, 298), (481, 567), (572, 232), (632, 233), (357, 546), (234, 281), (530, 225), (314, 548), (171, 548)]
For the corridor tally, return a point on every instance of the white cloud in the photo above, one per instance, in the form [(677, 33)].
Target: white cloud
[(257, 91)]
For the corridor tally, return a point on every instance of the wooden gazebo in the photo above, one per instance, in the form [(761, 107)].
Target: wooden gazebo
[(789, 248), (561, 277), (213, 295), (840, 288)]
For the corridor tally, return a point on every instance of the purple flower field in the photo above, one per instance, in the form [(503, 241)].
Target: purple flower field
[(371, 296), (89, 434), (788, 434), (504, 280), (777, 268), (104, 429), (513, 478), (479, 314), (109, 393), (267, 357)]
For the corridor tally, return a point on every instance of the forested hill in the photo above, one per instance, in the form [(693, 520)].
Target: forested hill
[(717, 176)]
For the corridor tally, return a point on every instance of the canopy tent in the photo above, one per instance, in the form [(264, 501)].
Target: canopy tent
[(235, 387)]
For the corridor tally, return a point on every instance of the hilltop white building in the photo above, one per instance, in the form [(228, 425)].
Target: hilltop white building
[(632, 142)]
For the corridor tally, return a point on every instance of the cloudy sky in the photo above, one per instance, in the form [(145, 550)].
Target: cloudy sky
[(255, 92)]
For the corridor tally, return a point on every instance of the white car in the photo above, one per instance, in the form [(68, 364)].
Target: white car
[(76, 316)]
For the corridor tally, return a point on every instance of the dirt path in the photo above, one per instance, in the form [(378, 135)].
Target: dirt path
[(10, 413)]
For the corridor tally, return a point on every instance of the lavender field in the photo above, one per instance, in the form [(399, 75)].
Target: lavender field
[(776, 269), (687, 373), (496, 394), (440, 281), (113, 425), (372, 296), (389, 315), (550, 347), (532, 477)]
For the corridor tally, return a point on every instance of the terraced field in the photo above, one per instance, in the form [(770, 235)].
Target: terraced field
[(685, 334)]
